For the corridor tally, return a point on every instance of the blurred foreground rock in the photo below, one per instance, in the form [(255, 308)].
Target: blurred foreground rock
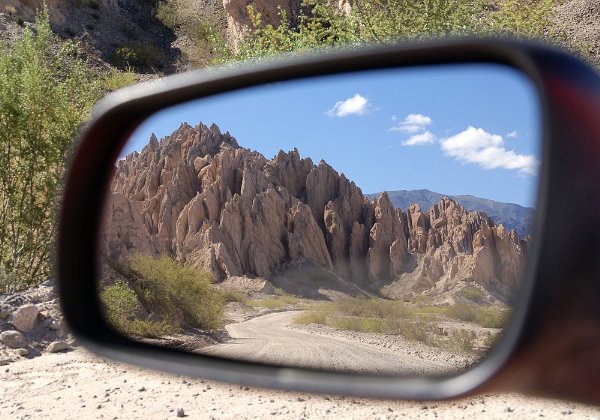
[(32, 324)]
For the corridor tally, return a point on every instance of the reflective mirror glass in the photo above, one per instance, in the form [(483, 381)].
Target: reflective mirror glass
[(374, 222)]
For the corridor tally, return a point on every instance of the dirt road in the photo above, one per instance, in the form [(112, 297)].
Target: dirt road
[(271, 338)]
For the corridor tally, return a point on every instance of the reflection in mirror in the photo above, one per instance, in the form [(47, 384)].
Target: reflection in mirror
[(374, 222)]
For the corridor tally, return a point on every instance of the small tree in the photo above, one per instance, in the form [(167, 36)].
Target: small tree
[(45, 94)]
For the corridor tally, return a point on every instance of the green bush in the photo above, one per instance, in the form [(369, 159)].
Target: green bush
[(368, 315), (374, 308), (229, 295), (488, 317), (176, 293), (472, 293), (493, 317), (367, 325), (418, 330), (461, 341), (122, 310), (461, 312), (139, 56), (120, 302), (46, 92), (115, 79), (319, 314), (276, 302)]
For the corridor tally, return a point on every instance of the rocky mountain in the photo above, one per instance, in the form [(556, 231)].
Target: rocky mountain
[(199, 197), (511, 216)]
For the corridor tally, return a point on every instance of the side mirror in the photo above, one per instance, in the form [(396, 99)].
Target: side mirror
[(385, 222)]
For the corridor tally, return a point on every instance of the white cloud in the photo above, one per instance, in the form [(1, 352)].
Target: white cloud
[(418, 119), (513, 134), (420, 139), (475, 145), (413, 123), (356, 105)]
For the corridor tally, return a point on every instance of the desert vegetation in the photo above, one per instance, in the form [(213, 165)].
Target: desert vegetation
[(161, 296), (154, 297), (323, 25), (414, 320), (123, 310), (46, 92)]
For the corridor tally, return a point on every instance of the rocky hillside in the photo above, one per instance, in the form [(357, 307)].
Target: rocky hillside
[(126, 32), (120, 32), (201, 198), (138, 34), (511, 216)]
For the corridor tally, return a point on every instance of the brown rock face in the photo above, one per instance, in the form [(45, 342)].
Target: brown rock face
[(199, 197), (453, 247)]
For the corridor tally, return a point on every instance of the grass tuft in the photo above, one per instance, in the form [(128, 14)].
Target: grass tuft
[(276, 302), (473, 293), (116, 79), (229, 295), (415, 322)]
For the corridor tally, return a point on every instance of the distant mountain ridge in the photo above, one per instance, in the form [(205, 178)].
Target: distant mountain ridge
[(511, 216)]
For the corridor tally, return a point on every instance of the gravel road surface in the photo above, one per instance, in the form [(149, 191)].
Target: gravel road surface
[(272, 339)]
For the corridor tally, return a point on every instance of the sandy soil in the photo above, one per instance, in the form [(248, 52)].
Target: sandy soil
[(78, 385)]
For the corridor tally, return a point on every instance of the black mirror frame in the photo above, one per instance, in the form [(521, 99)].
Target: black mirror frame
[(561, 294)]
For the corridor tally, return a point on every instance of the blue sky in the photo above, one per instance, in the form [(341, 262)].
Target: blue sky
[(453, 129)]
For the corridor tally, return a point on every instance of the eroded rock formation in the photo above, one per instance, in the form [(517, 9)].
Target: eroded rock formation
[(201, 198)]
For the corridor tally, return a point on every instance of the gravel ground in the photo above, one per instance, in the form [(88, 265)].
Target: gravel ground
[(76, 385), (579, 20)]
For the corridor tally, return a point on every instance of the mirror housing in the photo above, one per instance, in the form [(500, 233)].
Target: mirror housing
[(549, 347)]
